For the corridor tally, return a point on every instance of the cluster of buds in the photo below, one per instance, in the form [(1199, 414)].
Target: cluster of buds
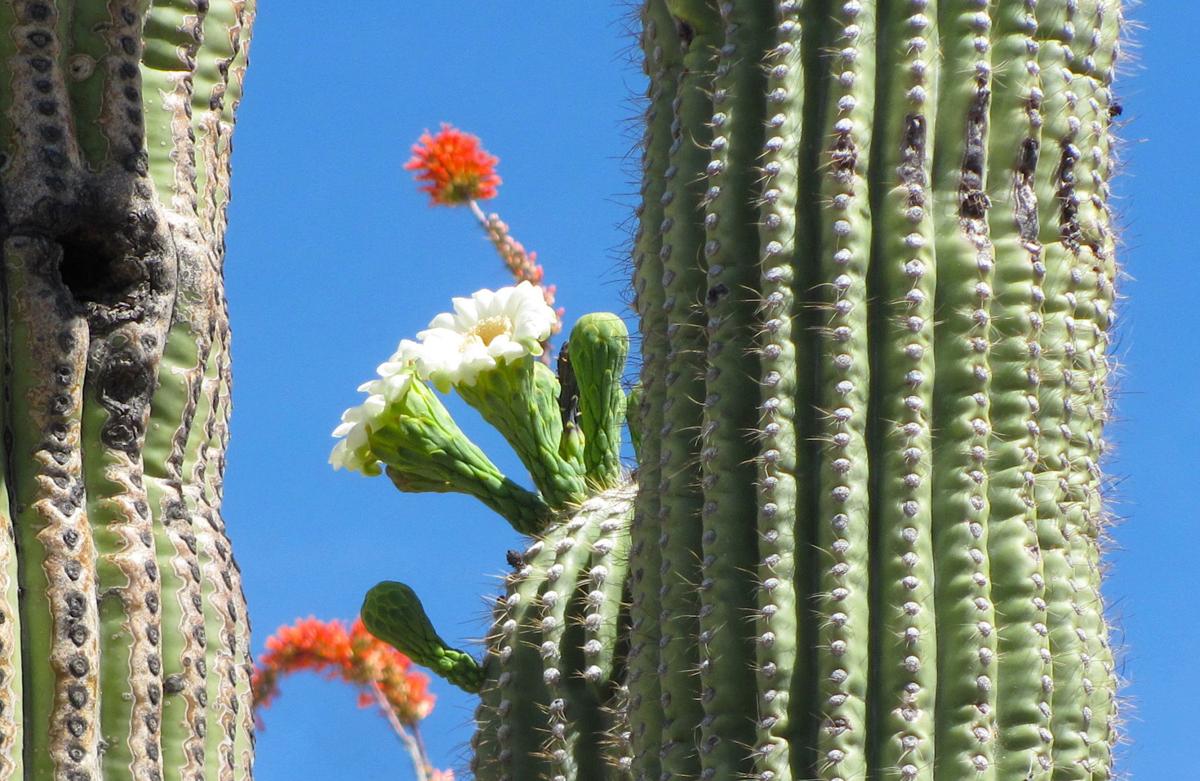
[(486, 350)]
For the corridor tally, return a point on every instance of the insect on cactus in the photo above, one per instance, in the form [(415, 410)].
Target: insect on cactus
[(124, 641), (874, 275)]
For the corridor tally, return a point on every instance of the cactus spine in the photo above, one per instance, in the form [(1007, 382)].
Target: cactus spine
[(125, 647)]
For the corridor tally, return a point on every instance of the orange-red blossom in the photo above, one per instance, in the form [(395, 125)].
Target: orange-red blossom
[(354, 656), (454, 167)]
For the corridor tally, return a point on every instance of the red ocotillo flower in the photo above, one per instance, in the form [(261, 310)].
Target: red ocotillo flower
[(454, 167), (381, 674)]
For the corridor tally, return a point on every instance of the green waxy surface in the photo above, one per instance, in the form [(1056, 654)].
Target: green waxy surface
[(393, 613), (134, 600), (662, 62), (904, 276), (874, 277), (683, 282), (1017, 573), (520, 399), (962, 412), (599, 345), (728, 545)]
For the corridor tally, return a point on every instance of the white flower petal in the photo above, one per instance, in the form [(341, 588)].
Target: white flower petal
[(490, 326)]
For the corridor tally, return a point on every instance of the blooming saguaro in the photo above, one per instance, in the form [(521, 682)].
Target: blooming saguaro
[(874, 275), (484, 331)]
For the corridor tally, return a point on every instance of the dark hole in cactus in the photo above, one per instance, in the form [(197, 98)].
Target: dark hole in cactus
[(91, 271), (686, 32)]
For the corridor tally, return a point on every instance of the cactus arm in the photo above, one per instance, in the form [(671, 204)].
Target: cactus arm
[(1017, 575), (698, 33), (903, 274), (598, 347), (728, 545), (662, 64), (46, 353), (392, 612), (91, 128)]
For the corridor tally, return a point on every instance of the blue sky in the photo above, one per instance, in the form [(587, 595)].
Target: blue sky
[(334, 256)]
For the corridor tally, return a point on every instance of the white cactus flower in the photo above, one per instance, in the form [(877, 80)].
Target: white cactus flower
[(490, 327), (352, 452)]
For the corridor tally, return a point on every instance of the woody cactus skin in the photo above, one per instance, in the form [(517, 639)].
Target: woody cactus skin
[(124, 642), (875, 279)]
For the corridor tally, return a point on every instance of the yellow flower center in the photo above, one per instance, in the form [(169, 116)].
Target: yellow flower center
[(488, 329)]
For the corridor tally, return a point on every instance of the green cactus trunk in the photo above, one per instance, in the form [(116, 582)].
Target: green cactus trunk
[(902, 211), (124, 641)]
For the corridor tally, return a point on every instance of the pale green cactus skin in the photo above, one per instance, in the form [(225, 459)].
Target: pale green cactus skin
[(902, 210), (124, 644)]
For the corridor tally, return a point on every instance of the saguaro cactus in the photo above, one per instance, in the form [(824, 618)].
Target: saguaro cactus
[(123, 633), (874, 274)]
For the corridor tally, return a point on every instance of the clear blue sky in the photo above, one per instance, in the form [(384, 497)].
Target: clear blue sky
[(334, 256)]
